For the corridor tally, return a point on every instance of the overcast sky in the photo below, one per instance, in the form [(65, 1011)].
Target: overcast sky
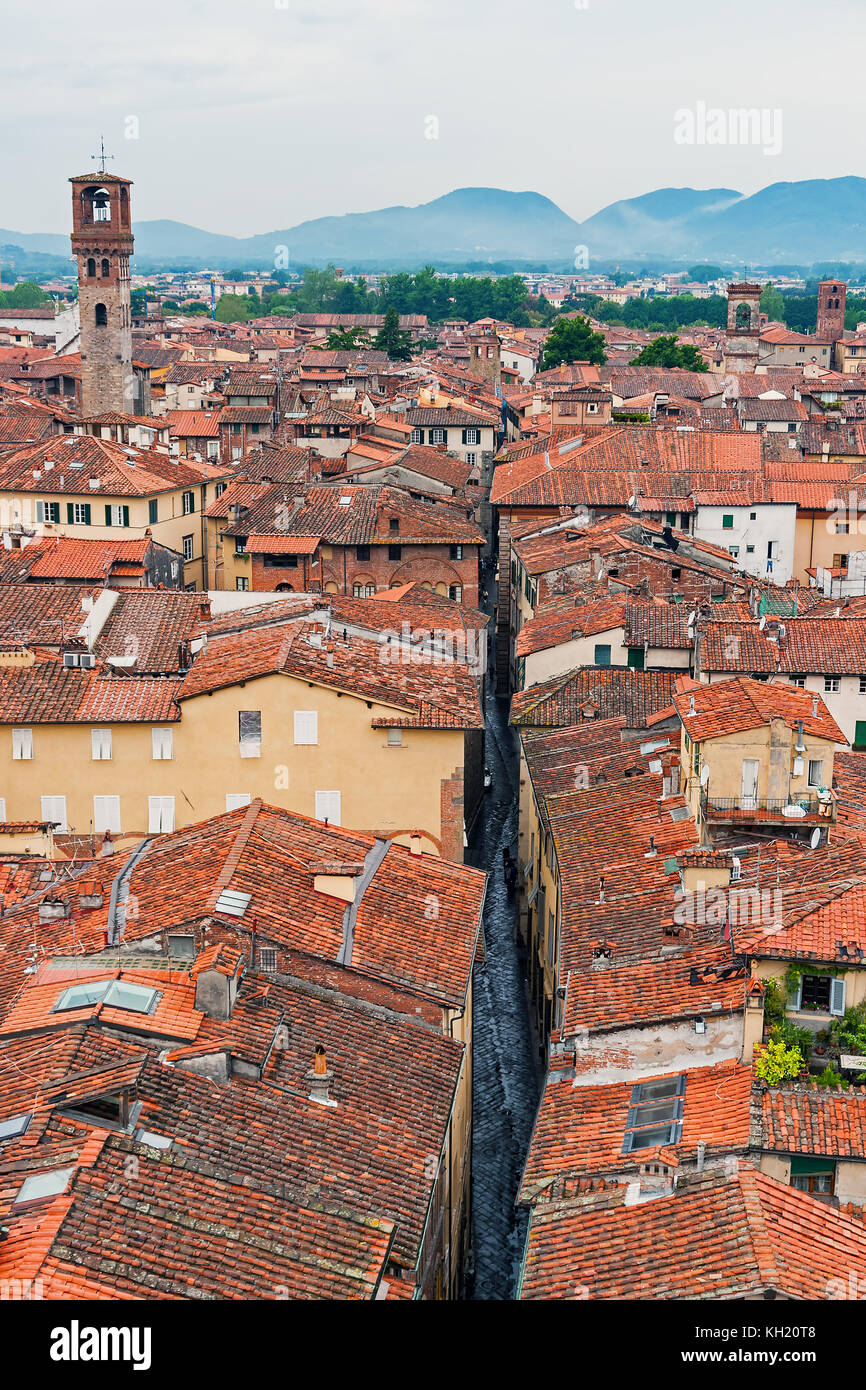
[(254, 115)]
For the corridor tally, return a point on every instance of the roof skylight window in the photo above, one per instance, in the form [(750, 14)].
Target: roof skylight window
[(43, 1185), (118, 994), (14, 1126)]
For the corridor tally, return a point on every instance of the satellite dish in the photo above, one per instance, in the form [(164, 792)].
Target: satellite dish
[(815, 838), (763, 623), (705, 775)]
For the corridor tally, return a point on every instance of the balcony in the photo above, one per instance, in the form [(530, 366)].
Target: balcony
[(803, 808)]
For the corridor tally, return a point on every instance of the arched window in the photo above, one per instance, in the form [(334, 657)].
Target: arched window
[(106, 266), (91, 266), (744, 316), (101, 206), (124, 208), (101, 316)]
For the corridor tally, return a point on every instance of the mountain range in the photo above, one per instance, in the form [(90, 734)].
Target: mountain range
[(802, 222)]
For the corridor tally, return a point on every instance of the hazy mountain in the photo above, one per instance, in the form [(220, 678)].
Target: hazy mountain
[(818, 219)]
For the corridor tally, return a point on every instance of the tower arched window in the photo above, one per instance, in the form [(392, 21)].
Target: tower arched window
[(106, 266), (91, 266), (101, 206), (744, 316), (101, 316)]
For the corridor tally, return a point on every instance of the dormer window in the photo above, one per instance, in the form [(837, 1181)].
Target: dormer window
[(394, 524)]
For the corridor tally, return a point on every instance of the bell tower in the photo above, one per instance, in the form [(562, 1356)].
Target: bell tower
[(102, 245), (742, 342)]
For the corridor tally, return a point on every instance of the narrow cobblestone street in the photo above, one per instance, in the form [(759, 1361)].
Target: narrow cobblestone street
[(506, 1078)]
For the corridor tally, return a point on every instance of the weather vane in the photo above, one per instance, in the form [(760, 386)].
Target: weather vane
[(102, 155)]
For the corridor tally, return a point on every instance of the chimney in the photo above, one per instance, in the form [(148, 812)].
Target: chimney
[(90, 896), (692, 704), (814, 706), (217, 973), (656, 1179), (601, 888), (702, 1149), (415, 842), (320, 1078)]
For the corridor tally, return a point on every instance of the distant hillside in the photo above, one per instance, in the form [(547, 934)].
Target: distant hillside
[(814, 220)]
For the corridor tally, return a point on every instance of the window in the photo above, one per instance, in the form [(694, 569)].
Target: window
[(816, 773), (750, 550), (733, 550), (267, 959), (240, 545), (22, 744), (328, 807), (187, 547), (416, 437), (636, 658), (395, 552), (116, 516), (160, 815), (362, 552), (306, 726), (188, 503), (815, 1175), (363, 590), (455, 592), (100, 316), (54, 810), (91, 266), (457, 552), (78, 513), (753, 516), (162, 744), (250, 733), (437, 436), (840, 562), (106, 266), (727, 521), (602, 654), (235, 800), (471, 436), (100, 745), (106, 814), (798, 680), (822, 994), (153, 510), (863, 685), (841, 528), (47, 511), (14, 1126), (43, 1185), (655, 1113), (831, 685), (676, 573), (2, 808), (117, 994), (395, 738), (242, 585), (471, 459)]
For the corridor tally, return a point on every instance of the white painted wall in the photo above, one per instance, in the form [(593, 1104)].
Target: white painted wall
[(755, 524)]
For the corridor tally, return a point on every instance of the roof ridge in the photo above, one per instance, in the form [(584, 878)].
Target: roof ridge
[(238, 846)]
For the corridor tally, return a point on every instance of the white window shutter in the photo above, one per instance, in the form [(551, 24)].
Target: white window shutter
[(328, 807), (22, 744), (234, 800), (106, 814), (794, 1003), (837, 996), (54, 809), (160, 814), (306, 726), (162, 744), (2, 808)]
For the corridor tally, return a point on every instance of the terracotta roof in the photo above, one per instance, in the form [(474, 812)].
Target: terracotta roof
[(49, 693), (565, 699), (731, 706)]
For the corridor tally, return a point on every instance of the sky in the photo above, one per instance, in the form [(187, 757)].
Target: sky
[(246, 116)]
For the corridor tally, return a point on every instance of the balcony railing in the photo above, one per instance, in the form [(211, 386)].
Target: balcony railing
[(804, 806)]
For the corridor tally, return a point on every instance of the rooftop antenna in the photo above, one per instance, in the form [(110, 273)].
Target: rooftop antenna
[(102, 156)]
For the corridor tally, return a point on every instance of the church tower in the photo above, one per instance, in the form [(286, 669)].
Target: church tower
[(102, 245), (831, 311), (742, 343)]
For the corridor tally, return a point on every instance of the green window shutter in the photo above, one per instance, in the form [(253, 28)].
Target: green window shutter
[(87, 513), (727, 522), (153, 509), (464, 436), (126, 516), (69, 513), (636, 658), (107, 515)]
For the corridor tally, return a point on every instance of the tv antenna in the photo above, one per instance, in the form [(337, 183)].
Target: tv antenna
[(102, 156)]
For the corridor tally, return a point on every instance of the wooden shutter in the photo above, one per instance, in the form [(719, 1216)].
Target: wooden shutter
[(837, 997), (70, 513), (87, 513), (126, 516), (107, 514), (794, 1003), (464, 437)]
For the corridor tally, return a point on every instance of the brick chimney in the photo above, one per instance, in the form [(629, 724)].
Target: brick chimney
[(319, 1078)]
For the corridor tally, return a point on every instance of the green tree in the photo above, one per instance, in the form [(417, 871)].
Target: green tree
[(346, 339), (26, 295), (235, 308), (392, 339), (702, 274), (667, 351), (572, 340), (773, 303)]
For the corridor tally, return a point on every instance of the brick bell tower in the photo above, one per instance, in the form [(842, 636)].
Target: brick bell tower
[(102, 245)]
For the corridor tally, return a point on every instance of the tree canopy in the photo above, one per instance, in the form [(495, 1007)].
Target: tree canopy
[(572, 340), (667, 351), (392, 339)]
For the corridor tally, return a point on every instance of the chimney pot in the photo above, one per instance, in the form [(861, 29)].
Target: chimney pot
[(814, 706)]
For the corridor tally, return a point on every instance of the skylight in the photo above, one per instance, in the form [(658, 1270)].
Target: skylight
[(13, 1127), (233, 903), (119, 994), (43, 1185)]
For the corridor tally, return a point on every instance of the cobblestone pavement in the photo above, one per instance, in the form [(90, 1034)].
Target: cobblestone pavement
[(506, 1068)]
